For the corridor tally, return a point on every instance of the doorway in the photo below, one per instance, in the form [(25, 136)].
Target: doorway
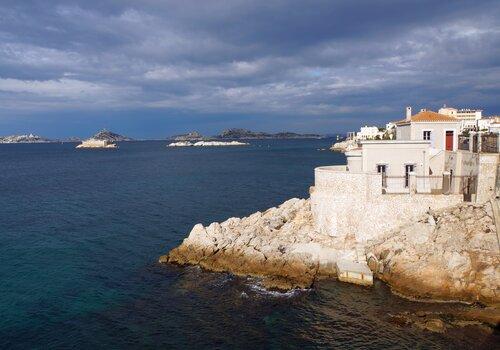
[(449, 140)]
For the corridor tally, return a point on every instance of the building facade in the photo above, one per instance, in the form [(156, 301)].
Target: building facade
[(469, 118), (441, 130)]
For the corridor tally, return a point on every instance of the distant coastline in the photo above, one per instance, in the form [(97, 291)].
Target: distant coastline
[(243, 134), (194, 136)]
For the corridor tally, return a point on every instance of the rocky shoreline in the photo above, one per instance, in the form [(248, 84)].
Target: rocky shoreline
[(265, 245), (451, 254)]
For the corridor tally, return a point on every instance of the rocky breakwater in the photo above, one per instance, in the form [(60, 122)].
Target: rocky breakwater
[(450, 254), (279, 245)]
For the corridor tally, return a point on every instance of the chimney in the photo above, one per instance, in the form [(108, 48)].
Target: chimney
[(408, 113)]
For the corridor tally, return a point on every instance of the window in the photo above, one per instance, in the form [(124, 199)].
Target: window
[(427, 135), (408, 169), (382, 169)]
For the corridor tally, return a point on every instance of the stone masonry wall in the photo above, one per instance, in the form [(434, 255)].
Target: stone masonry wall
[(351, 206)]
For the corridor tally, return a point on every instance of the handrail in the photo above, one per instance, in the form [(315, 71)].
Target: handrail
[(437, 154)]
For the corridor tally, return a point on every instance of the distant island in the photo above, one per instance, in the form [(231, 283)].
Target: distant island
[(30, 138), (105, 135), (247, 134), (242, 134), (103, 139), (191, 136)]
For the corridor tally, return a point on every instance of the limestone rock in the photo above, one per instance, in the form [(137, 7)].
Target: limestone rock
[(279, 245), (454, 256)]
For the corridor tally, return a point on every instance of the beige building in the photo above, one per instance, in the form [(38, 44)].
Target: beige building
[(441, 130), (469, 118)]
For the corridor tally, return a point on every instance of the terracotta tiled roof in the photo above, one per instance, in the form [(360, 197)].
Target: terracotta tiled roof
[(428, 116)]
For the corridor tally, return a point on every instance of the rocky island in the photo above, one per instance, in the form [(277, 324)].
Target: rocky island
[(103, 139), (206, 144), (29, 138), (105, 135), (192, 136), (236, 134)]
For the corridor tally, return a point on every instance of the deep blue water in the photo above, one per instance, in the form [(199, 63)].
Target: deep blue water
[(81, 231)]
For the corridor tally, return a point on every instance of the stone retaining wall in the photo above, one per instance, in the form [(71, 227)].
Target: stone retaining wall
[(351, 206)]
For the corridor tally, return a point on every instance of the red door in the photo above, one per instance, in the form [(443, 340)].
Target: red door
[(449, 140)]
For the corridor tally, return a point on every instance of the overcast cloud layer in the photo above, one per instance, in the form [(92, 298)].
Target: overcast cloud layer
[(151, 68)]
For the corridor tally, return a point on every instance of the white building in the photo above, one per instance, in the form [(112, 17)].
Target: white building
[(490, 124), (419, 149), (469, 117), (441, 130), (494, 124)]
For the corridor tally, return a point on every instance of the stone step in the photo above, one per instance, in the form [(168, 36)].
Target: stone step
[(354, 272)]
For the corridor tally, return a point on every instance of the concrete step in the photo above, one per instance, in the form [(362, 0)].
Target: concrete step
[(354, 272)]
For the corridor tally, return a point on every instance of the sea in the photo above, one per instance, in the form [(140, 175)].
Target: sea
[(81, 232)]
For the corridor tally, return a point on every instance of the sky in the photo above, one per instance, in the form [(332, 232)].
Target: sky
[(150, 69)]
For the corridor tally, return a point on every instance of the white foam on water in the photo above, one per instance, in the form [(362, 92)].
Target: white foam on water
[(257, 287)]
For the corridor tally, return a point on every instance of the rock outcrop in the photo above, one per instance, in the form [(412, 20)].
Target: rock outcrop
[(279, 245), (450, 254), (344, 146)]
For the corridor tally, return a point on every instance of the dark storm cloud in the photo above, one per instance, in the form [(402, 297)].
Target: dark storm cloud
[(317, 62)]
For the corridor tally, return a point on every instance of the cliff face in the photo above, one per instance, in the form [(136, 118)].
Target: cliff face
[(450, 254)]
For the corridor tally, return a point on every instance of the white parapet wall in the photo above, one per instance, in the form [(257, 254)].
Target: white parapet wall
[(487, 176), (351, 206)]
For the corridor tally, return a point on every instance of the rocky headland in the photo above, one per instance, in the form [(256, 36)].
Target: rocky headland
[(279, 245), (447, 255)]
